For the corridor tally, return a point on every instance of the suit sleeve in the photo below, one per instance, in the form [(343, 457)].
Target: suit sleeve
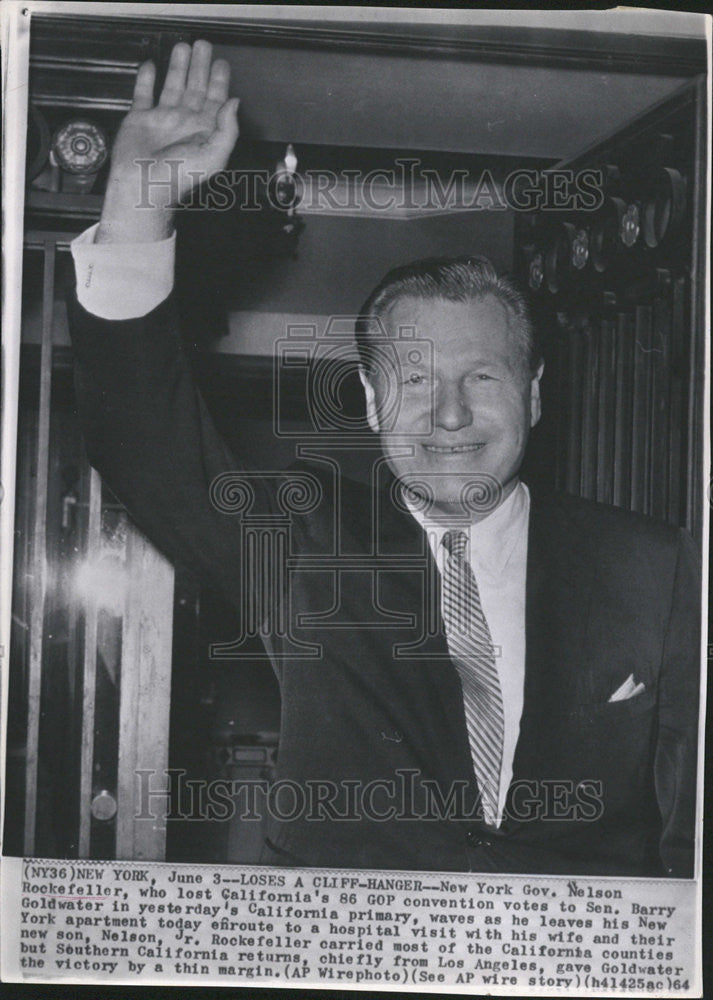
[(150, 436), (675, 767)]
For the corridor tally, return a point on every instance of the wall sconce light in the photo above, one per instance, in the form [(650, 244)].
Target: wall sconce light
[(283, 187), (284, 196)]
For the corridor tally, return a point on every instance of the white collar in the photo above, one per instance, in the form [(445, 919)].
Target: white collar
[(493, 539)]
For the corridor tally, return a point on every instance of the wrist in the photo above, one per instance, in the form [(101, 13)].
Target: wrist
[(125, 219)]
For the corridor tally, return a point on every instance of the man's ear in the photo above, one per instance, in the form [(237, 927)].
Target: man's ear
[(371, 408), (535, 401)]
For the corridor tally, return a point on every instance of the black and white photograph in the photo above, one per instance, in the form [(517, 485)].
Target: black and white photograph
[(355, 497)]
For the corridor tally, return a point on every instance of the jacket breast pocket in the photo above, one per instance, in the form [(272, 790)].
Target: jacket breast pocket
[(613, 713), (612, 743)]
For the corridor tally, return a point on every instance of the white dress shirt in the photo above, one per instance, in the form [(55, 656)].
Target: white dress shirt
[(124, 281), (498, 557)]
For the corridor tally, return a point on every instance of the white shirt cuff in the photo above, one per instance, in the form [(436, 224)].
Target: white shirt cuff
[(122, 280)]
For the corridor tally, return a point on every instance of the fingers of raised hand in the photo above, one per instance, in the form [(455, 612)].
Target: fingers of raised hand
[(218, 81), (194, 104), (191, 81), (175, 83), (143, 88), (198, 75), (223, 138)]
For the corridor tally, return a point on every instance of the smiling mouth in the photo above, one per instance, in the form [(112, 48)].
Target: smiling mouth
[(456, 449)]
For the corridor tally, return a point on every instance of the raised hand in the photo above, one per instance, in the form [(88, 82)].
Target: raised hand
[(162, 150)]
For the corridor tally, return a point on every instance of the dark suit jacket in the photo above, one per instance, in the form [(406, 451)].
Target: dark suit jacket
[(373, 739)]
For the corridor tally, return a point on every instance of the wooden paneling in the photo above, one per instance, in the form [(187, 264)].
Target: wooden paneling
[(627, 337), (109, 668), (496, 90), (547, 43), (38, 580), (145, 699), (623, 412), (89, 666)]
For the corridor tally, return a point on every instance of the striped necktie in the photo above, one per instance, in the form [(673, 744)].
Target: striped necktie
[(471, 649)]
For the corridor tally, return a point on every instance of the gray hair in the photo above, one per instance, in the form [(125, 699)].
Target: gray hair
[(456, 279)]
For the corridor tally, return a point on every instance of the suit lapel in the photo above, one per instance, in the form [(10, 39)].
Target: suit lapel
[(557, 618), (431, 686), (558, 596)]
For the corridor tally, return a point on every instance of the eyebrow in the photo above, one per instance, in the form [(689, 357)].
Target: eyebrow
[(402, 361), (405, 363)]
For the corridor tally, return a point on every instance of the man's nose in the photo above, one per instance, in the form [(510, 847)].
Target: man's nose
[(451, 410)]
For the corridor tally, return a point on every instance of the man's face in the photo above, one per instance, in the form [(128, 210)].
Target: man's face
[(464, 414)]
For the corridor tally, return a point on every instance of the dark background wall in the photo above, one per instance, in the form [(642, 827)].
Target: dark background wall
[(340, 260)]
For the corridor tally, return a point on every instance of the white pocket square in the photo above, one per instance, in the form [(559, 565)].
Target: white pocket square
[(627, 690)]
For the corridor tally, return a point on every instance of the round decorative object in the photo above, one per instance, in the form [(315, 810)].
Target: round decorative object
[(103, 806), (536, 273), (38, 142), (80, 147), (605, 240), (559, 256), (580, 249), (630, 226), (664, 205)]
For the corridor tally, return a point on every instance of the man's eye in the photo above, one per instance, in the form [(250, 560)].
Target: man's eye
[(415, 379), (482, 377)]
